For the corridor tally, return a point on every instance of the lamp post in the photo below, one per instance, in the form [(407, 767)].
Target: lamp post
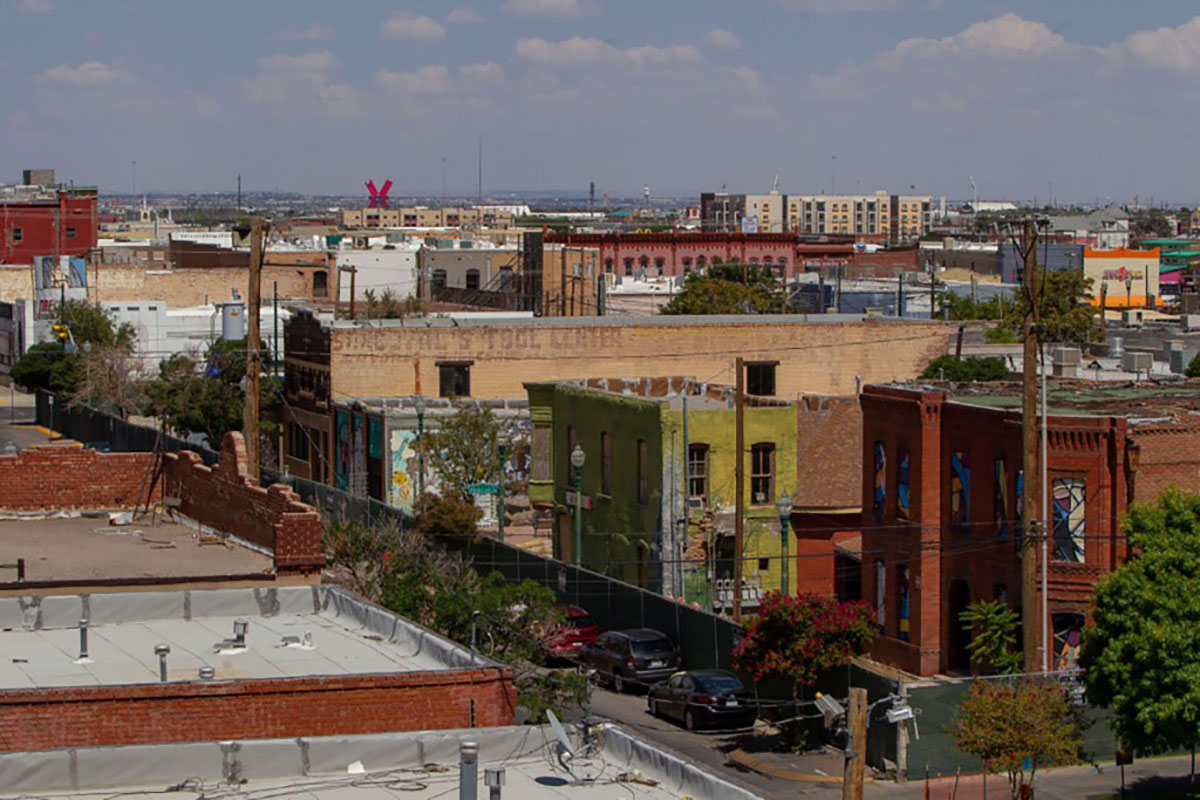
[(577, 459), (500, 485), (784, 506), (419, 403)]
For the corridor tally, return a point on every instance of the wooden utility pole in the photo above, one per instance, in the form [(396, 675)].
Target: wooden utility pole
[(353, 274), (856, 740), (739, 492), (253, 354), (1030, 614)]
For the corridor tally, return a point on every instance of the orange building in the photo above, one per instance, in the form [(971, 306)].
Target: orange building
[(1128, 278)]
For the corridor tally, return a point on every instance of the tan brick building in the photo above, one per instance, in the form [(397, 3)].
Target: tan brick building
[(423, 217)]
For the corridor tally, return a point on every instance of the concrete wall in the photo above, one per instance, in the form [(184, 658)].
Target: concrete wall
[(822, 358), (378, 270)]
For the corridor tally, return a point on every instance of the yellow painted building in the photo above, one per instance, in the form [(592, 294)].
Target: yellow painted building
[(1127, 277)]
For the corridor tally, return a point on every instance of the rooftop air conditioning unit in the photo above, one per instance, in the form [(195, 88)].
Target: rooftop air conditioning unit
[(1190, 323), (1132, 318), (1137, 362)]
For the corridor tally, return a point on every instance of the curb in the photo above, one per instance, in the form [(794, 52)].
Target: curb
[(744, 759)]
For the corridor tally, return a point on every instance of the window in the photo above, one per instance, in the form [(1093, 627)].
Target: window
[(605, 463), (760, 378), (454, 378), (628, 267), (70, 232), (472, 280), (608, 265), (960, 490), (1000, 500), (700, 263), (658, 265), (762, 473), (903, 485), (18, 234), (697, 466), (643, 472), (572, 443), (904, 599), (438, 281), (644, 264), (879, 496), (687, 265), (320, 283), (764, 564), (881, 595), (1069, 498), (297, 442)]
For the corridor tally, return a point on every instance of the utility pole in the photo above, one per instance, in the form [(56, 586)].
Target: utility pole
[(739, 472), (856, 745), (353, 274), (253, 356), (1030, 612)]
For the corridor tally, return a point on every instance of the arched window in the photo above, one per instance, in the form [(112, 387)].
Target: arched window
[(644, 263), (438, 280), (320, 283), (658, 265), (881, 595), (700, 264), (766, 261), (903, 597), (608, 265), (628, 267), (472, 279), (687, 265)]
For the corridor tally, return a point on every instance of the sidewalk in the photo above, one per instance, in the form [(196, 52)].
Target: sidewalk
[(1158, 778)]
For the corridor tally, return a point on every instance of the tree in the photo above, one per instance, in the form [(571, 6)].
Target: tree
[(50, 366), (1154, 223), (207, 397), (1141, 658), (1007, 724), (800, 637), (993, 626), (730, 289), (110, 378), (387, 305), (1193, 367), (450, 515), (971, 368), (1063, 306), (465, 450)]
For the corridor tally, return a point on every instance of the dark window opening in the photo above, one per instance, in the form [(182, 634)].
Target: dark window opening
[(472, 279), (438, 281), (629, 267), (760, 378), (320, 283), (70, 233), (454, 379), (764, 564), (698, 471), (18, 234), (762, 473)]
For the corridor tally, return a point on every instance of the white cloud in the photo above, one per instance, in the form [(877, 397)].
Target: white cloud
[(1009, 34), (551, 8), (481, 76), (1167, 48), (465, 16), (749, 77), (432, 80), (306, 64), (293, 33), (409, 27), (579, 51), (35, 6), (301, 82), (725, 40), (89, 73)]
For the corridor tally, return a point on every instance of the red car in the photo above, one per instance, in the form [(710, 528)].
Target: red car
[(576, 631)]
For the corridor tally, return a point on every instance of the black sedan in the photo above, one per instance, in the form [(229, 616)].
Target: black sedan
[(704, 698)]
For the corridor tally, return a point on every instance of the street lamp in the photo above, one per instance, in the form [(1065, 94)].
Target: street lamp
[(419, 404), (784, 506), (577, 459)]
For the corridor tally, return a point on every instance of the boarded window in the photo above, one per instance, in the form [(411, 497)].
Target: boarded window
[(540, 468)]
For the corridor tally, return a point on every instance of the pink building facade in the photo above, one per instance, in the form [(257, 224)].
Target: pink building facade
[(655, 255)]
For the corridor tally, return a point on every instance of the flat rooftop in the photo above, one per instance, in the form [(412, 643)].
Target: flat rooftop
[(626, 321), (87, 548), (334, 635), (414, 766)]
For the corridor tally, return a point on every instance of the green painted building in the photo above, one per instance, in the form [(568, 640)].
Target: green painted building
[(644, 520)]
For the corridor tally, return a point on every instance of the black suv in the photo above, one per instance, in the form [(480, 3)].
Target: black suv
[(630, 658)]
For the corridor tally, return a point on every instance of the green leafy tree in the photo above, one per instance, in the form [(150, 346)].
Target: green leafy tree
[(1193, 367), (1010, 724), (1066, 314), (730, 289), (388, 305), (207, 397), (993, 646), (1154, 222), (1141, 658), (450, 515), (465, 450), (49, 365), (800, 637), (972, 368)]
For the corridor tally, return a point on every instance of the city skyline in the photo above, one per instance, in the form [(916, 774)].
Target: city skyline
[(852, 96)]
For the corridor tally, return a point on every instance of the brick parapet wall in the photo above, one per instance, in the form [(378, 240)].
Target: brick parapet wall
[(88, 716), (58, 477), (226, 499)]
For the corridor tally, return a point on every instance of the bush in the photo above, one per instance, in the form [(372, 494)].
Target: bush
[(962, 370)]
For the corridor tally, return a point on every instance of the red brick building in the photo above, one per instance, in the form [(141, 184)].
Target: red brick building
[(942, 483), (672, 254), (62, 224)]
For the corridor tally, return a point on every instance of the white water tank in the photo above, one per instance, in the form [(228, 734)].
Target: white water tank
[(233, 319)]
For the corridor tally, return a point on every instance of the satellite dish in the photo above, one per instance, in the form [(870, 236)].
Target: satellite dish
[(563, 749)]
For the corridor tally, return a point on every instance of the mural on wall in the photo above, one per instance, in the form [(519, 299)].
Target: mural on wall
[(902, 588), (960, 489), (1019, 508), (903, 486), (1001, 501), (1068, 637), (405, 469), (341, 457), (880, 503), (1068, 519), (374, 437), (358, 456), (881, 595)]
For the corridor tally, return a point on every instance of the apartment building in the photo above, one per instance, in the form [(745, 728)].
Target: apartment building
[(424, 217), (878, 216)]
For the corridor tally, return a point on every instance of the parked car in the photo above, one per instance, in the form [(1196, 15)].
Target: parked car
[(632, 657), (575, 632), (704, 698)]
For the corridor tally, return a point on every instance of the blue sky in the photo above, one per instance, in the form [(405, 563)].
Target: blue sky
[(1097, 97)]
